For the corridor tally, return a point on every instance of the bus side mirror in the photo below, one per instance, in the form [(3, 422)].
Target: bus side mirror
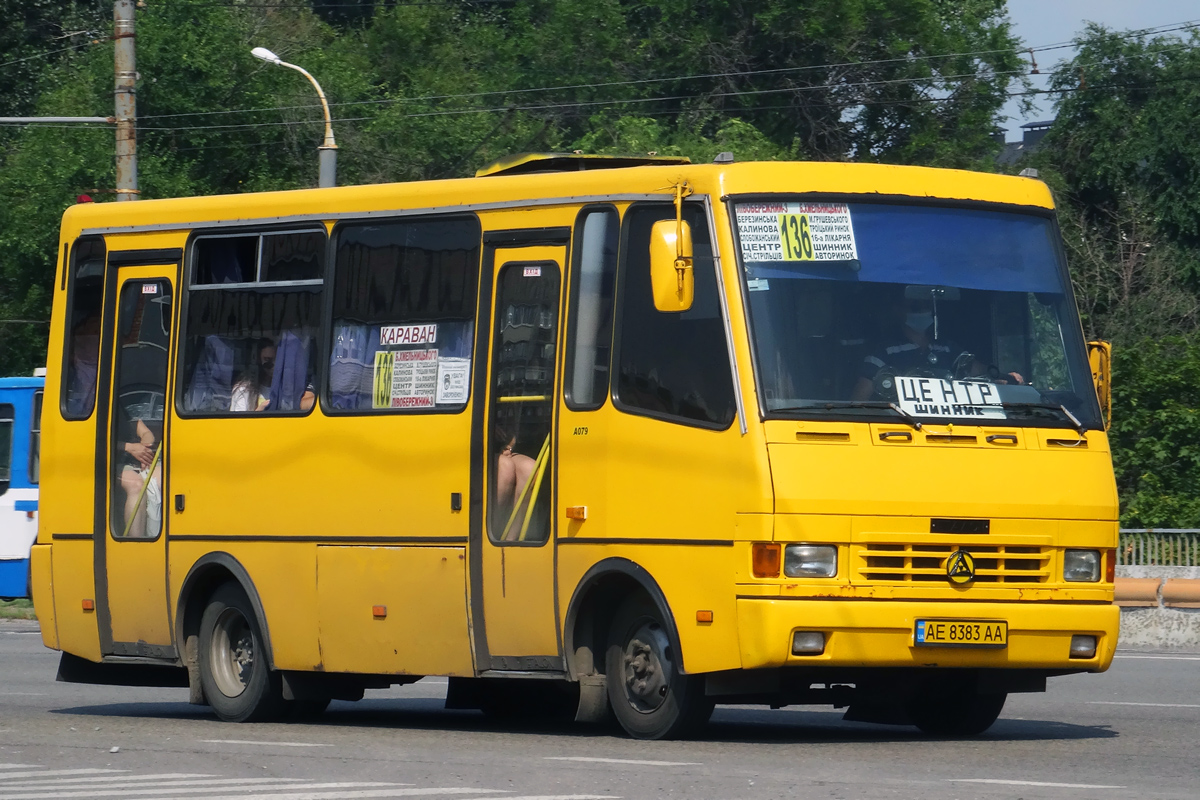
[(671, 278), (1100, 357)]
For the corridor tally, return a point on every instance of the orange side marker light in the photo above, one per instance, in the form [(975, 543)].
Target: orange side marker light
[(576, 512), (704, 617), (89, 605), (379, 612)]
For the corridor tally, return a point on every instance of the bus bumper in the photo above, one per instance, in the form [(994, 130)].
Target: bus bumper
[(880, 633)]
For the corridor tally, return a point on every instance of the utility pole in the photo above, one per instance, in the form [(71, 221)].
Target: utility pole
[(126, 101)]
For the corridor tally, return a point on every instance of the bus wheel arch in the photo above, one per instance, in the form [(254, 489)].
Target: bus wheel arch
[(205, 577), (597, 597), (615, 597)]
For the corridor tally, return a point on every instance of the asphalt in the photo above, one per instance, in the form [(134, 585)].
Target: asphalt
[(1131, 732)]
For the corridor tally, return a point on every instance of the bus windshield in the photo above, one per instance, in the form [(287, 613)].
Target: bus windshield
[(882, 310)]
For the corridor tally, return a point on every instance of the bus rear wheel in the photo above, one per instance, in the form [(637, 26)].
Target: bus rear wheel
[(238, 684), (651, 698)]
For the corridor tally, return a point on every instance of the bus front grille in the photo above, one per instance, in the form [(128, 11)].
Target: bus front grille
[(926, 563)]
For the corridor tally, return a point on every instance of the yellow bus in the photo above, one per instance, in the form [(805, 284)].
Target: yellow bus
[(588, 435)]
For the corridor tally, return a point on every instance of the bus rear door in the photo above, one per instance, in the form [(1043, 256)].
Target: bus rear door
[(132, 458)]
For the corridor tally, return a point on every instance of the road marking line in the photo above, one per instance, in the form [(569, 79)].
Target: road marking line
[(1034, 783), (48, 773), (1162, 658), (1152, 705), (554, 797), (22, 694), (275, 785), (164, 776), (625, 761), (268, 744), (354, 795), (19, 766), (144, 788)]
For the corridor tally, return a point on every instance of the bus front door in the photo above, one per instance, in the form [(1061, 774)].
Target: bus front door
[(131, 566), (513, 555)]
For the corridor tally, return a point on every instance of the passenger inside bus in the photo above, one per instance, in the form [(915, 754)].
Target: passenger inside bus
[(513, 471), (252, 391), (141, 480), (84, 356)]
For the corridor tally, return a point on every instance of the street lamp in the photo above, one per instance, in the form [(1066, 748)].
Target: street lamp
[(328, 149)]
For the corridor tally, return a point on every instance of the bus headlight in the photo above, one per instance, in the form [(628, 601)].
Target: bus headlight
[(810, 561), (1081, 566)]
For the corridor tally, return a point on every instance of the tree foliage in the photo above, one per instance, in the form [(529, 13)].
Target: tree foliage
[(1156, 432), (1124, 161), (434, 90)]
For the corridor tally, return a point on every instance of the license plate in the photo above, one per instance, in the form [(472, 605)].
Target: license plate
[(961, 633)]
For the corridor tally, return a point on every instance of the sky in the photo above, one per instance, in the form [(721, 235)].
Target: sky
[(1042, 22)]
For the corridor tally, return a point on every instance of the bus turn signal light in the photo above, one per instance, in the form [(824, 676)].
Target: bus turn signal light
[(765, 557), (1110, 566), (379, 612), (89, 605), (704, 617), (576, 512)]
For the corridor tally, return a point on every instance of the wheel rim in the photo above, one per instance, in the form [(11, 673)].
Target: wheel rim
[(648, 668), (232, 652)]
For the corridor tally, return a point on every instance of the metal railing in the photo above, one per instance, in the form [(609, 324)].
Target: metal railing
[(1159, 547)]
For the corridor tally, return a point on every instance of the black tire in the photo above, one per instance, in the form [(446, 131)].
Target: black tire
[(956, 713), (237, 682), (309, 708), (650, 697)]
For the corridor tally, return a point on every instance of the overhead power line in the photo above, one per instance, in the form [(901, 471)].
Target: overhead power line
[(1191, 24), (47, 53), (580, 104)]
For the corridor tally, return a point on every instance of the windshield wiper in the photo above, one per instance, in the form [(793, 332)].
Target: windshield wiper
[(829, 406), (1079, 426)]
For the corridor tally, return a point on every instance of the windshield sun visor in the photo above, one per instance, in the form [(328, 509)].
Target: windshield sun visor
[(883, 243)]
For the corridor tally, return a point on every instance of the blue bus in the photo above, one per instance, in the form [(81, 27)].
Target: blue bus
[(20, 459)]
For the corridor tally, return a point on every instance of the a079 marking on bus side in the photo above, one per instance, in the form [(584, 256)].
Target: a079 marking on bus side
[(581, 431)]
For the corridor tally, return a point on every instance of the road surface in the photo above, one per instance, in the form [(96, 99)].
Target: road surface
[(1131, 732)]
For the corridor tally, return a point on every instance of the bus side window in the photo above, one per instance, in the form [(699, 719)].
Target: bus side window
[(589, 334), (6, 442), (673, 365), (35, 439), (404, 296), (253, 316), (85, 298)]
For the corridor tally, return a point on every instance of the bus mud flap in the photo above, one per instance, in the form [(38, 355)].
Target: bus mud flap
[(191, 660), (593, 699)]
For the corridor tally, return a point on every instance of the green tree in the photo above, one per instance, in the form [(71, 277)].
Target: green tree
[(1126, 110), (435, 90), (1123, 159), (1156, 432)]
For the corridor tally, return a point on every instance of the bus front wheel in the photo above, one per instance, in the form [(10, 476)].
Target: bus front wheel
[(650, 696), (956, 713), (238, 684)]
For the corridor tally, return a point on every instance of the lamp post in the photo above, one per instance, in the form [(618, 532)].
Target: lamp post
[(328, 149)]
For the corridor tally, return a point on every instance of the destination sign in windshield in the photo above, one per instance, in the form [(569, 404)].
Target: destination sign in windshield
[(934, 397)]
